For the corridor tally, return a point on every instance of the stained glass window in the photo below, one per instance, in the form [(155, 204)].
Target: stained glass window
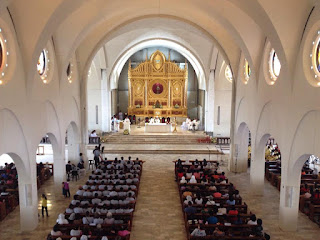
[(318, 56), (228, 74), (41, 66)]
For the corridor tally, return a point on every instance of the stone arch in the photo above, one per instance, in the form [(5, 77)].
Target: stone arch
[(177, 46), (11, 133)]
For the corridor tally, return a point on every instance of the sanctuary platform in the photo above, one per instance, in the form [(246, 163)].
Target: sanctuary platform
[(141, 142)]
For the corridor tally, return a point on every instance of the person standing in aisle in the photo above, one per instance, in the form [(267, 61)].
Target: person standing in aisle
[(44, 204)]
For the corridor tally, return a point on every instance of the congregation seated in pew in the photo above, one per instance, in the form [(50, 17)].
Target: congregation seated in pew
[(212, 206), (102, 207)]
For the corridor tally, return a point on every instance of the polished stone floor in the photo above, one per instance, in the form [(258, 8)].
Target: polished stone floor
[(158, 214)]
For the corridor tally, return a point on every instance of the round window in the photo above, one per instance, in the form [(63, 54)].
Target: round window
[(157, 88), (1, 55), (41, 65)]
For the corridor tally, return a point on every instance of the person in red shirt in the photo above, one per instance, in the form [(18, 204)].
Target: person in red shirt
[(233, 212), (197, 175), (222, 176), (217, 195)]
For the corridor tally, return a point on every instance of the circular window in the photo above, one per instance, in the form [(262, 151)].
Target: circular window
[(4, 53), (157, 88), (316, 59), (1, 55), (228, 73), (43, 65), (274, 66), (247, 71)]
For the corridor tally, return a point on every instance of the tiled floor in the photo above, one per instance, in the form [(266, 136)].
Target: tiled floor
[(158, 214)]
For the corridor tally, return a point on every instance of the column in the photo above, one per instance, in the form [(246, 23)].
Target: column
[(105, 118), (28, 198), (209, 99), (289, 198), (257, 167), (232, 127), (59, 167)]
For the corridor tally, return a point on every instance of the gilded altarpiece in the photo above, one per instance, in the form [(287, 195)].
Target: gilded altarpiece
[(158, 87)]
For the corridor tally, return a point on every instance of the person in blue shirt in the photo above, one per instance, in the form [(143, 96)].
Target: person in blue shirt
[(212, 219), (189, 209), (231, 201)]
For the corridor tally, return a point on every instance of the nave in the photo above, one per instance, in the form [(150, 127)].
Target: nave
[(158, 212)]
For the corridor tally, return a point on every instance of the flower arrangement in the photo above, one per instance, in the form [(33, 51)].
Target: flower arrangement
[(126, 132), (176, 106)]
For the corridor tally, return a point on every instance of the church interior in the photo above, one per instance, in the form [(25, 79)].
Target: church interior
[(159, 119)]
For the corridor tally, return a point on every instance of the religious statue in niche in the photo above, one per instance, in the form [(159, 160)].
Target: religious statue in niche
[(157, 88)]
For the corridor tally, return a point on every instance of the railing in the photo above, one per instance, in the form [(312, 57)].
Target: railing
[(223, 140), (94, 140)]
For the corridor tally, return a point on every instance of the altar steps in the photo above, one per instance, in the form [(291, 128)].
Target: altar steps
[(154, 139)]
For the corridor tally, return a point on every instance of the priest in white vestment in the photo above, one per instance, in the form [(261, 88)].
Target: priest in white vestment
[(126, 124), (157, 120), (151, 120)]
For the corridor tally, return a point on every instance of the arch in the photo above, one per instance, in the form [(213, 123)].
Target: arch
[(116, 31), (306, 141), (11, 133), (172, 44)]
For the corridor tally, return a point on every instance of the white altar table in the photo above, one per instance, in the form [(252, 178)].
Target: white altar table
[(158, 128)]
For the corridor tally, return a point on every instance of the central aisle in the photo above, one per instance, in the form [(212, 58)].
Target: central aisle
[(158, 212)]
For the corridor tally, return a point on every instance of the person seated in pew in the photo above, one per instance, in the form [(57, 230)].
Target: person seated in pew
[(218, 232), (197, 174), (109, 219), (71, 218), (303, 189), (188, 199), (210, 201), (212, 219), (212, 187), (222, 176), (190, 209), (204, 180), (61, 219), (193, 179), (123, 232), (258, 230), (75, 232), (97, 219), (233, 212), (239, 220), (198, 200), (217, 195), (187, 193), (198, 232), (183, 180), (231, 201), (308, 194), (253, 220), (55, 231)]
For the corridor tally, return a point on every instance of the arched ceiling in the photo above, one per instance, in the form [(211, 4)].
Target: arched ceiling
[(84, 26), (190, 41)]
